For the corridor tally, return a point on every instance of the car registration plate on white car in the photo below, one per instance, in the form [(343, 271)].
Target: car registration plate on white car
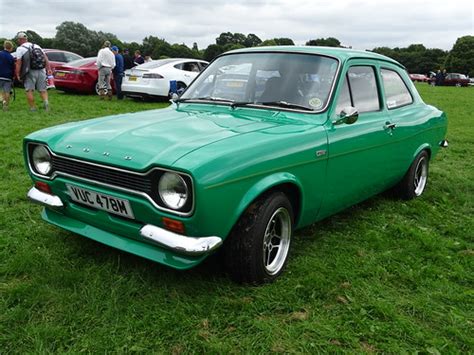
[(132, 78), (100, 201)]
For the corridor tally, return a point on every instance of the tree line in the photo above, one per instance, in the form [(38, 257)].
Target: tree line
[(77, 38)]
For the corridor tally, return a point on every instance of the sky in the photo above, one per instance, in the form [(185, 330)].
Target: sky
[(359, 24)]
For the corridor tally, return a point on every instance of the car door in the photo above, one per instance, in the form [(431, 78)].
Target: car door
[(360, 155), (190, 71)]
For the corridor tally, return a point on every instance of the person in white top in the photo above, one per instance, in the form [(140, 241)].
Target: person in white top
[(105, 64), (31, 68)]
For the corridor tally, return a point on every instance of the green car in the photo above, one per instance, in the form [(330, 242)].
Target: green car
[(264, 141)]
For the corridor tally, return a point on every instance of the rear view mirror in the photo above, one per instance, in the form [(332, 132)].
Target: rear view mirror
[(348, 115)]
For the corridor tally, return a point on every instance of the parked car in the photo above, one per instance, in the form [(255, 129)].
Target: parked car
[(78, 76), (58, 57), (152, 79), (452, 79), (471, 81), (327, 129), (418, 78)]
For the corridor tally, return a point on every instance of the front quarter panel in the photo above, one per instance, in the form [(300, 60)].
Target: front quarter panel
[(246, 166)]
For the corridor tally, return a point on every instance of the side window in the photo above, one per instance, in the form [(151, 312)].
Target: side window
[(191, 66), (363, 87), (56, 57), (202, 65), (71, 56), (344, 99), (396, 92)]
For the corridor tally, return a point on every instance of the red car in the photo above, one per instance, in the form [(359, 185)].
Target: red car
[(58, 57), (418, 77), (78, 76), (452, 79)]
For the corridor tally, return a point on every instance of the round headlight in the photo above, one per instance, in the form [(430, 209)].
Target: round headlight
[(173, 190), (41, 159)]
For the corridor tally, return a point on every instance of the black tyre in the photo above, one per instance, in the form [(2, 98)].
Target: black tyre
[(414, 182), (96, 89), (257, 249)]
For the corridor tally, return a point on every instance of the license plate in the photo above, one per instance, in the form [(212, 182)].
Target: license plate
[(132, 78), (100, 201), (60, 74)]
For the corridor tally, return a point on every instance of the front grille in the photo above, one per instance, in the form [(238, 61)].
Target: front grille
[(103, 174)]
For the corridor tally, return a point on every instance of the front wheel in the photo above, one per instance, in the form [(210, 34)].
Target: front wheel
[(257, 249), (414, 182)]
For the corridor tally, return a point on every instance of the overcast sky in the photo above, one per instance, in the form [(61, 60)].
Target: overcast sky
[(360, 24)]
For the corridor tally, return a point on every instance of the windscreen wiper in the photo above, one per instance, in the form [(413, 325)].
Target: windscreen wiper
[(206, 98), (284, 104)]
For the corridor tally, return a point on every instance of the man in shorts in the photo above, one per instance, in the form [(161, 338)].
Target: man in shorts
[(7, 70), (33, 79)]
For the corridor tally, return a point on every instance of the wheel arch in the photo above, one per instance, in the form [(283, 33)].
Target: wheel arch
[(425, 146), (284, 182)]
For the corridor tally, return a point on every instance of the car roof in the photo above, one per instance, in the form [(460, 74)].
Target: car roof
[(343, 54)]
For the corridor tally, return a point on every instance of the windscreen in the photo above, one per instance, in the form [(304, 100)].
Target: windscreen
[(264, 78)]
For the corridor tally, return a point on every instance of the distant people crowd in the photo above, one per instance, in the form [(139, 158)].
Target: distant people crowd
[(29, 65), (440, 76)]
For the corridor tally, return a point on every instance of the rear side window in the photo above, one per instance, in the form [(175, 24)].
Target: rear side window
[(396, 92), (56, 57)]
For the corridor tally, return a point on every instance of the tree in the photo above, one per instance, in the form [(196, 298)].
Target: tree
[(213, 51), (252, 40), (327, 42), (284, 42), (461, 58), (75, 37), (268, 42), (226, 38)]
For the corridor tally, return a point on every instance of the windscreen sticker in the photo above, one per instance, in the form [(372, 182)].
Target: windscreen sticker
[(315, 102)]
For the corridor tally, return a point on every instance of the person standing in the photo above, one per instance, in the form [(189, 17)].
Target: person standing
[(32, 66), (118, 72), (138, 59), (127, 60), (105, 64), (7, 71)]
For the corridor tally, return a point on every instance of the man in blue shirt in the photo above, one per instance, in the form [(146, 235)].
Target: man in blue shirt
[(7, 70), (118, 72)]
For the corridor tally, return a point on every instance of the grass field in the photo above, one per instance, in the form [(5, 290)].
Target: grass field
[(383, 276)]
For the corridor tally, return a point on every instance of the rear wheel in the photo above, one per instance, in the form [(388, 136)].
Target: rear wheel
[(414, 182), (257, 249), (96, 89), (180, 87)]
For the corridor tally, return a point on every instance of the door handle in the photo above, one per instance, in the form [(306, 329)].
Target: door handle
[(389, 125)]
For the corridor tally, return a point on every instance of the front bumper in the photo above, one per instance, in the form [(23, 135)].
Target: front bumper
[(180, 244)]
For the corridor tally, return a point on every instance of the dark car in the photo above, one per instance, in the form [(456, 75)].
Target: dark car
[(78, 76), (451, 79), (58, 57)]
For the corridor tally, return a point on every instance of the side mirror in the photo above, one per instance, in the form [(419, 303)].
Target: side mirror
[(348, 115), (174, 97)]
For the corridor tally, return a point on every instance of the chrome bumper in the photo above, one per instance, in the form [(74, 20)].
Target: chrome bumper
[(177, 242), (180, 243), (45, 199)]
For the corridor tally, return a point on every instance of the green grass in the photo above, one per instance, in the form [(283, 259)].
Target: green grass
[(383, 276)]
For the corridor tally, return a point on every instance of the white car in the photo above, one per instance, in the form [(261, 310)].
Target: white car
[(156, 78)]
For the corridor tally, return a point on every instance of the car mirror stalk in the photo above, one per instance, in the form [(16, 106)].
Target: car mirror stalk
[(348, 115)]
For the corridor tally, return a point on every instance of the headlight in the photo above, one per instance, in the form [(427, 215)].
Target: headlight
[(41, 159), (173, 190)]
